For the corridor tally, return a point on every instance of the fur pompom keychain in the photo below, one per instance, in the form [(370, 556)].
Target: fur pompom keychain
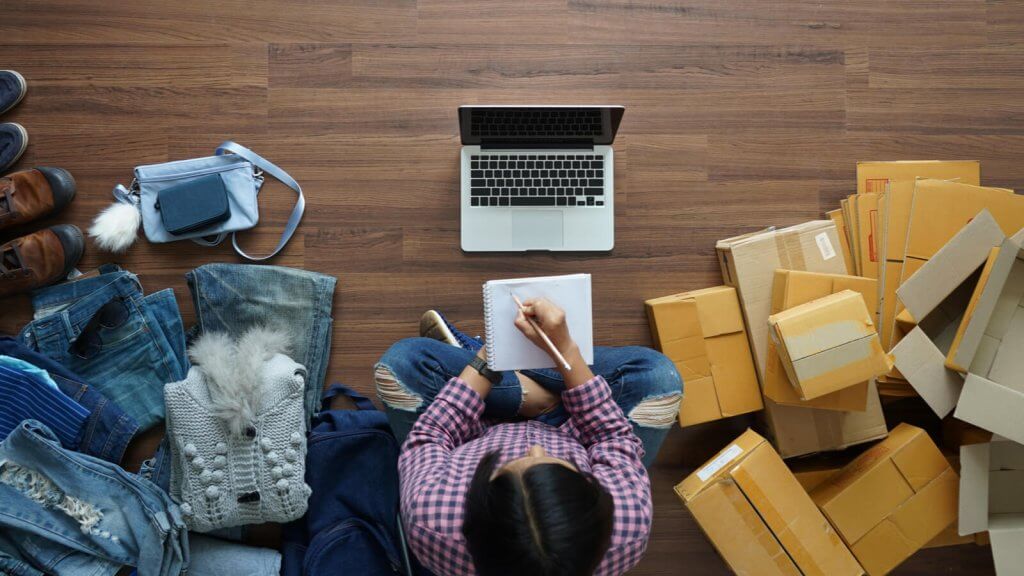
[(117, 226)]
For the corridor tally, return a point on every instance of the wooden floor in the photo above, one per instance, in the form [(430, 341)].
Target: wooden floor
[(739, 114)]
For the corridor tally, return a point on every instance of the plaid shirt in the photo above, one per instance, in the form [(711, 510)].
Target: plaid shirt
[(449, 440)]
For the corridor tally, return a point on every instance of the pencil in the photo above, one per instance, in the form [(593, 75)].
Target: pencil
[(543, 336)]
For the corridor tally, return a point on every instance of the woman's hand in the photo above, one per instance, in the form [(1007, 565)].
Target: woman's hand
[(549, 318)]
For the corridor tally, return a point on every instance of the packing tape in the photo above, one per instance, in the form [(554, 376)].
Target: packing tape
[(790, 252)]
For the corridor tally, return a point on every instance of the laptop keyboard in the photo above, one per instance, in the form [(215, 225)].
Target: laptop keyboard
[(537, 180)]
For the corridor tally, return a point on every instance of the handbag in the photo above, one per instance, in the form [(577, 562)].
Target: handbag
[(352, 525), (185, 200)]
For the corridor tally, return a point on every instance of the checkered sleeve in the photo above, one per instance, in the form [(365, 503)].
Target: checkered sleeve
[(616, 460), (452, 419)]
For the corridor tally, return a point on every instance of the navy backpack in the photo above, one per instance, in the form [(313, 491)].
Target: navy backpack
[(352, 527)]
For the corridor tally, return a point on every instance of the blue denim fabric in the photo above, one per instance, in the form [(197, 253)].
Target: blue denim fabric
[(232, 298), (215, 557), (135, 359), (423, 366), (108, 429), (118, 519)]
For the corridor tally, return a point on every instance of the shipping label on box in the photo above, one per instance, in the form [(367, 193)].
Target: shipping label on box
[(892, 499), (828, 344), (792, 288), (702, 333), (758, 516)]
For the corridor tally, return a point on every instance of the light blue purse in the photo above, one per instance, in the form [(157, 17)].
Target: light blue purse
[(242, 173)]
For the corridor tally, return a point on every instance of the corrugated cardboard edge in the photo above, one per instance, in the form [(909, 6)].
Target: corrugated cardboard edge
[(924, 367), (967, 250)]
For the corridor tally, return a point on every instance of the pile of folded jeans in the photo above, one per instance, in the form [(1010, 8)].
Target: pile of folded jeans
[(88, 373)]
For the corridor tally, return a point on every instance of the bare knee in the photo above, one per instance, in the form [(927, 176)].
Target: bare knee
[(392, 393), (657, 412)]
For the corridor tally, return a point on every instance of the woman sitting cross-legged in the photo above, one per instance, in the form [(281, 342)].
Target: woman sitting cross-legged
[(536, 473)]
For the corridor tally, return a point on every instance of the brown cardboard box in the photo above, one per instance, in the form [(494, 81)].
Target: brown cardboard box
[(896, 180), (792, 288), (991, 476), (748, 263), (868, 234), (828, 344), (759, 518), (853, 231), (892, 499), (844, 240), (937, 296), (702, 333)]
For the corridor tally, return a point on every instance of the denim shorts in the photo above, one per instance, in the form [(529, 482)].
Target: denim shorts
[(128, 360), (68, 513), (232, 298)]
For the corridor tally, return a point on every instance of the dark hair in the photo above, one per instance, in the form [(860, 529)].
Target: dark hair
[(550, 520)]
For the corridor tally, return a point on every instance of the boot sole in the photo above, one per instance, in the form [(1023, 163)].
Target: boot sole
[(437, 330), (24, 142)]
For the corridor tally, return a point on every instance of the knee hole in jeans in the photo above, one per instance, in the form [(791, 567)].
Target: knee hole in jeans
[(392, 393), (657, 412), (43, 491)]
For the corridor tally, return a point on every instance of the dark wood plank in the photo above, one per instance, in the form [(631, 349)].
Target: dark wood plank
[(740, 114)]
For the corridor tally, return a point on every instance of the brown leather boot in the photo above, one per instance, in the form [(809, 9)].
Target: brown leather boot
[(28, 195), (39, 259)]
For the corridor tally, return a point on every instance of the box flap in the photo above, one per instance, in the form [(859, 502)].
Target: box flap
[(974, 488), (1006, 534), (811, 542), (719, 311), (924, 367), (738, 533), (701, 402), (823, 324), (732, 367), (920, 460), (1003, 314), (720, 465), (951, 265), (984, 300), (992, 406), (884, 547)]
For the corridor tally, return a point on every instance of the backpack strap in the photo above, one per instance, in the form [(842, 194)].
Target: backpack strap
[(337, 389), (268, 167)]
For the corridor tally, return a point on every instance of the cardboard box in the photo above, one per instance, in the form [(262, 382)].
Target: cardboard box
[(892, 499), (748, 263), (759, 518), (702, 333), (991, 476), (849, 207), (868, 234), (828, 344), (994, 406), (844, 240), (938, 296), (896, 180), (792, 288)]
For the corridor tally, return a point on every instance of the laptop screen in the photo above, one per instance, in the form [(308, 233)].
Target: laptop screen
[(539, 125)]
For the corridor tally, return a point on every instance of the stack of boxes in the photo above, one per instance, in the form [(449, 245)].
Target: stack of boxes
[(913, 287)]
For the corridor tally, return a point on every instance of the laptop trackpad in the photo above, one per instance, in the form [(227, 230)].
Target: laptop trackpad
[(537, 229)]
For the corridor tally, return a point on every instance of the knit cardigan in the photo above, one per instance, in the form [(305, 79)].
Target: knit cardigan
[(237, 433)]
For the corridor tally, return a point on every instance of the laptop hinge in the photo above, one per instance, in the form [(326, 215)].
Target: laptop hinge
[(575, 144)]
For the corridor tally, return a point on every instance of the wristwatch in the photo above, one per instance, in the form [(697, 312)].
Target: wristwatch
[(480, 365)]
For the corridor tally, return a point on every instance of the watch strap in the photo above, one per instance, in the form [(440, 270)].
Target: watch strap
[(480, 365)]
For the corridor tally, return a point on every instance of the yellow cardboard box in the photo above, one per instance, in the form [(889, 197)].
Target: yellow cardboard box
[(892, 499), (792, 288), (897, 179), (844, 240), (828, 344), (702, 333), (759, 518)]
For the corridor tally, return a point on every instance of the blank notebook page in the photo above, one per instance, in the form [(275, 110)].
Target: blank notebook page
[(507, 348)]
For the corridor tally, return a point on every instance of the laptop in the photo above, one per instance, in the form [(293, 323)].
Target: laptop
[(538, 178)]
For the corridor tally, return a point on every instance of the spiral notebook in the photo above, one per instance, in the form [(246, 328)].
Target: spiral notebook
[(507, 348)]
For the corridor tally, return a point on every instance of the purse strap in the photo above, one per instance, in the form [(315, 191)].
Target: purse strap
[(268, 167)]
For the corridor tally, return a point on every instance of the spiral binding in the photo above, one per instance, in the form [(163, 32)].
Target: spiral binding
[(492, 354)]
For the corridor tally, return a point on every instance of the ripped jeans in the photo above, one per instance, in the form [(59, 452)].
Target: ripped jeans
[(644, 383)]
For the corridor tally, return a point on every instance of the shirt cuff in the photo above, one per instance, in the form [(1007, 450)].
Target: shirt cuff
[(592, 394)]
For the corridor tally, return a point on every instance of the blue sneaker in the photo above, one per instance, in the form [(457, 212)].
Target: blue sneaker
[(434, 325)]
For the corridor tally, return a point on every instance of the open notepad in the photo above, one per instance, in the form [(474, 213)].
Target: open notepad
[(507, 348)]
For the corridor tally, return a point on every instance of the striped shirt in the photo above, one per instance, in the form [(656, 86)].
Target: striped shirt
[(449, 439), (26, 395)]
